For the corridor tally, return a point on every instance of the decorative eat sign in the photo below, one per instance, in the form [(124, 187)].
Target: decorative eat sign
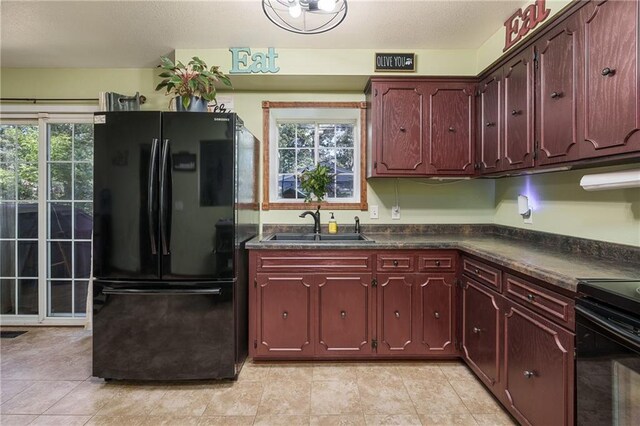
[(521, 22)]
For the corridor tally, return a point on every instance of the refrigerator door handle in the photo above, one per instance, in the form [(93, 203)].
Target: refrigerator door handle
[(150, 197), (163, 207), (156, 292)]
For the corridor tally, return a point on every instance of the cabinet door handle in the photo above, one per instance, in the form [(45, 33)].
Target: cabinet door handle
[(489, 124), (477, 271), (476, 330), (451, 129), (437, 315), (437, 263), (529, 374), (515, 112), (395, 263), (608, 71), (530, 297), (285, 314), (556, 95), (397, 314), (343, 314), (402, 129)]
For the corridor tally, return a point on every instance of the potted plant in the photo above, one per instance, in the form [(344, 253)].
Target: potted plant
[(193, 84), (314, 183)]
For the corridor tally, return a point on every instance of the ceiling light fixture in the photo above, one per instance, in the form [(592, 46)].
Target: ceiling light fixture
[(305, 16)]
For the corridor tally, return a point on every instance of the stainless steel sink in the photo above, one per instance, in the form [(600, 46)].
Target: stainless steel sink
[(282, 237)]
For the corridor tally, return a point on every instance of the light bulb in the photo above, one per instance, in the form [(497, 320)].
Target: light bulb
[(294, 9), (327, 5)]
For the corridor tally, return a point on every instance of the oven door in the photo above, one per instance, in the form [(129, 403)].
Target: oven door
[(607, 367)]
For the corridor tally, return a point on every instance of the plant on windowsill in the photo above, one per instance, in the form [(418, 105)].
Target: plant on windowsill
[(314, 183), (193, 85)]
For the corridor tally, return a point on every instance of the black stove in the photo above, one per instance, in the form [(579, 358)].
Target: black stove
[(623, 294)]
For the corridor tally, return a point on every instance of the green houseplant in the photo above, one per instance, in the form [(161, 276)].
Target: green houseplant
[(192, 80), (314, 182)]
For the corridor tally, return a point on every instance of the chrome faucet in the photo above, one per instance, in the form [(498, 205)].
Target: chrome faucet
[(357, 228), (316, 219)]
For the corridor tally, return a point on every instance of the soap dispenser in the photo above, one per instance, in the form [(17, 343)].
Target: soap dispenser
[(333, 225)]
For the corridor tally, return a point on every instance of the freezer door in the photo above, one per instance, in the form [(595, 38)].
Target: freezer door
[(197, 196), (126, 164)]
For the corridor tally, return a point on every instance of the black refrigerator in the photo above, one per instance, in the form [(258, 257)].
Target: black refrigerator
[(174, 203)]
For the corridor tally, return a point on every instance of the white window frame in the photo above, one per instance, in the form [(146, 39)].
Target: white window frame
[(42, 115)]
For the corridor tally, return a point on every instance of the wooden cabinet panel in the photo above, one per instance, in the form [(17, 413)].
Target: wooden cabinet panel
[(481, 331), (538, 365), (436, 261), (557, 94), (483, 273), (400, 137), (489, 151), (285, 312), (344, 314), (611, 76), (451, 125), (435, 312), (518, 112), (396, 262), (396, 313)]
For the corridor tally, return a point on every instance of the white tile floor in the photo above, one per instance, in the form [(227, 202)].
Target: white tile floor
[(45, 379)]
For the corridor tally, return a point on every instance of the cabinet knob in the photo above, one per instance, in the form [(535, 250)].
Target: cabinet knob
[(402, 129), (489, 124), (397, 314), (529, 374), (515, 112), (395, 263), (556, 95), (476, 330), (451, 129), (530, 297), (437, 315), (437, 263), (608, 71), (477, 271), (285, 314), (343, 314)]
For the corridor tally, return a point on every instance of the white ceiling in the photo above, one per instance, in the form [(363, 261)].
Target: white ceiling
[(134, 34)]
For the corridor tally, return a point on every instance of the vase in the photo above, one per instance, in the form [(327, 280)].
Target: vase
[(196, 104)]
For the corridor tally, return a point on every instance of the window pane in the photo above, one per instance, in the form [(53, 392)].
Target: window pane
[(60, 141), (7, 296), (59, 221), (327, 158), (27, 258), (82, 260), (305, 159), (60, 259), (28, 181), (286, 160), (286, 135), (286, 186), (344, 135), (28, 297), (304, 135), (326, 135), (344, 186), (60, 183), (8, 142), (60, 294), (27, 143), (83, 181), (344, 160), (83, 142), (8, 220), (80, 290), (27, 220), (8, 177), (7, 259), (84, 220)]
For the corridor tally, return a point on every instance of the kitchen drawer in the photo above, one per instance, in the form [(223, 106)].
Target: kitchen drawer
[(396, 262), (436, 261), (482, 273), (552, 305), (320, 261)]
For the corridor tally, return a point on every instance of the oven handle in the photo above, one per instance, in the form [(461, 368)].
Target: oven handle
[(605, 324), (155, 292)]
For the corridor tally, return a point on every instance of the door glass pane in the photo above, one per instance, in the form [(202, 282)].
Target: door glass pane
[(60, 298), (18, 219), (59, 221), (60, 258), (60, 181)]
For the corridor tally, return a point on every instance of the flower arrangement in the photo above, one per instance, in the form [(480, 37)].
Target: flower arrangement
[(193, 79)]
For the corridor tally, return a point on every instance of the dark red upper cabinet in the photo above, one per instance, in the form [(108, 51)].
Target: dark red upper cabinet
[(399, 136), (518, 112), (490, 123), (611, 76), (452, 130), (557, 97)]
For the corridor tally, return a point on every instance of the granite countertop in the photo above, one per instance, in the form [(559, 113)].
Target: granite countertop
[(557, 267)]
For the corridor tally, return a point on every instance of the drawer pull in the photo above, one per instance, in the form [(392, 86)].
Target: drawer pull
[(477, 271), (285, 314), (451, 129), (402, 129), (343, 314), (476, 330), (515, 112), (556, 95), (489, 124), (608, 71), (437, 263), (531, 297), (437, 315), (529, 374), (397, 314), (395, 263)]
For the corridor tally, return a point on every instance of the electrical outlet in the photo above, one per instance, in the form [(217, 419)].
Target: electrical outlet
[(529, 219), (373, 212), (395, 212)]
